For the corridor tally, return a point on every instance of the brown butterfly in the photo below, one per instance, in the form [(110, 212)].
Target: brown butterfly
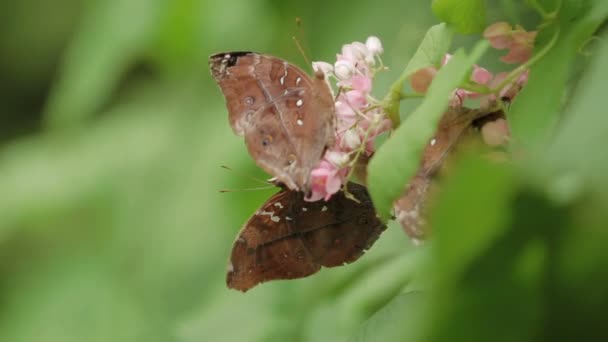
[(452, 128), (287, 119), (286, 116), (290, 238)]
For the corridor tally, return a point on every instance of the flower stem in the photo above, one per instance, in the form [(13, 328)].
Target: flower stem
[(353, 162), (546, 16)]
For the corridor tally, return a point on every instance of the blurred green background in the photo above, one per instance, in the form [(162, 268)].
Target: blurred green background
[(112, 227)]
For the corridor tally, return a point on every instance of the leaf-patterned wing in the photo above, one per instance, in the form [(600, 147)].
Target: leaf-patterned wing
[(286, 116)]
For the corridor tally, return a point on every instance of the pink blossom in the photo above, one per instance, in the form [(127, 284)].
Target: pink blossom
[(344, 109), (517, 54), (326, 180), (362, 83), (481, 75), (355, 98), (357, 125), (498, 35), (519, 42)]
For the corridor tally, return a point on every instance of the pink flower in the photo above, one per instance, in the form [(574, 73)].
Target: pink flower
[(326, 181), (421, 80), (517, 54), (357, 124), (362, 83), (510, 89), (481, 75), (498, 35), (355, 98), (519, 42)]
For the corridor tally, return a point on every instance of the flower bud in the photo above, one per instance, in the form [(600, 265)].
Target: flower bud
[(374, 45), (421, 79), (343, 69), (481, 75), (352, 140), (324, 67), (339, 159), (360, 50)]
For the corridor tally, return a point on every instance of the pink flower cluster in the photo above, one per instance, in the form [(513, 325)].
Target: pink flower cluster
[(360, 118), (501, 36), (519, 42)]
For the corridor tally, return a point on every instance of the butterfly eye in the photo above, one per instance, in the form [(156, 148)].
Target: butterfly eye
[(267, 140), (249, 100)]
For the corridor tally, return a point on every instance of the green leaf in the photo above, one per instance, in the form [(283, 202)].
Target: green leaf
[(468, 16), (398, 159), (434, 46), (584, 126), (535, 110), (463, 229), (506, 267), (372, 291), (399, 320)]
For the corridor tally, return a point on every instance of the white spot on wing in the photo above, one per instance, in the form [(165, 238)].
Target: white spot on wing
[(299, 122), (433, 142), (324, 208), (288, 218), (271, 214), (304, 209), (282, 79), (278, 205), (298, 80), (299, 103)]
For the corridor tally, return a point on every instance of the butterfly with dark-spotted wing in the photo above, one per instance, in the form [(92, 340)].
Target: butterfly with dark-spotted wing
[(287, 119)]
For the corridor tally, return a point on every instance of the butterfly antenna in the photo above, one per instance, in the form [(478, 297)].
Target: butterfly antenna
[(247, 189), (300, 32), (247, 176)]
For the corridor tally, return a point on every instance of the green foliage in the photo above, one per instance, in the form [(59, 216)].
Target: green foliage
[(534, 114), (399, 158), (434, 46), (114, 229), (468, 16)]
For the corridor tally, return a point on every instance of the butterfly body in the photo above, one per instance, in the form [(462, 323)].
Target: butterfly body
[(286, 116)]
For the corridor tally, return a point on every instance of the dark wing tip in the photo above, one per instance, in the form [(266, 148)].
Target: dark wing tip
[(219, 62)]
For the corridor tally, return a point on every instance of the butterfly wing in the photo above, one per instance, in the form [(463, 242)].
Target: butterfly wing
[(286, 116), (290, 238)]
